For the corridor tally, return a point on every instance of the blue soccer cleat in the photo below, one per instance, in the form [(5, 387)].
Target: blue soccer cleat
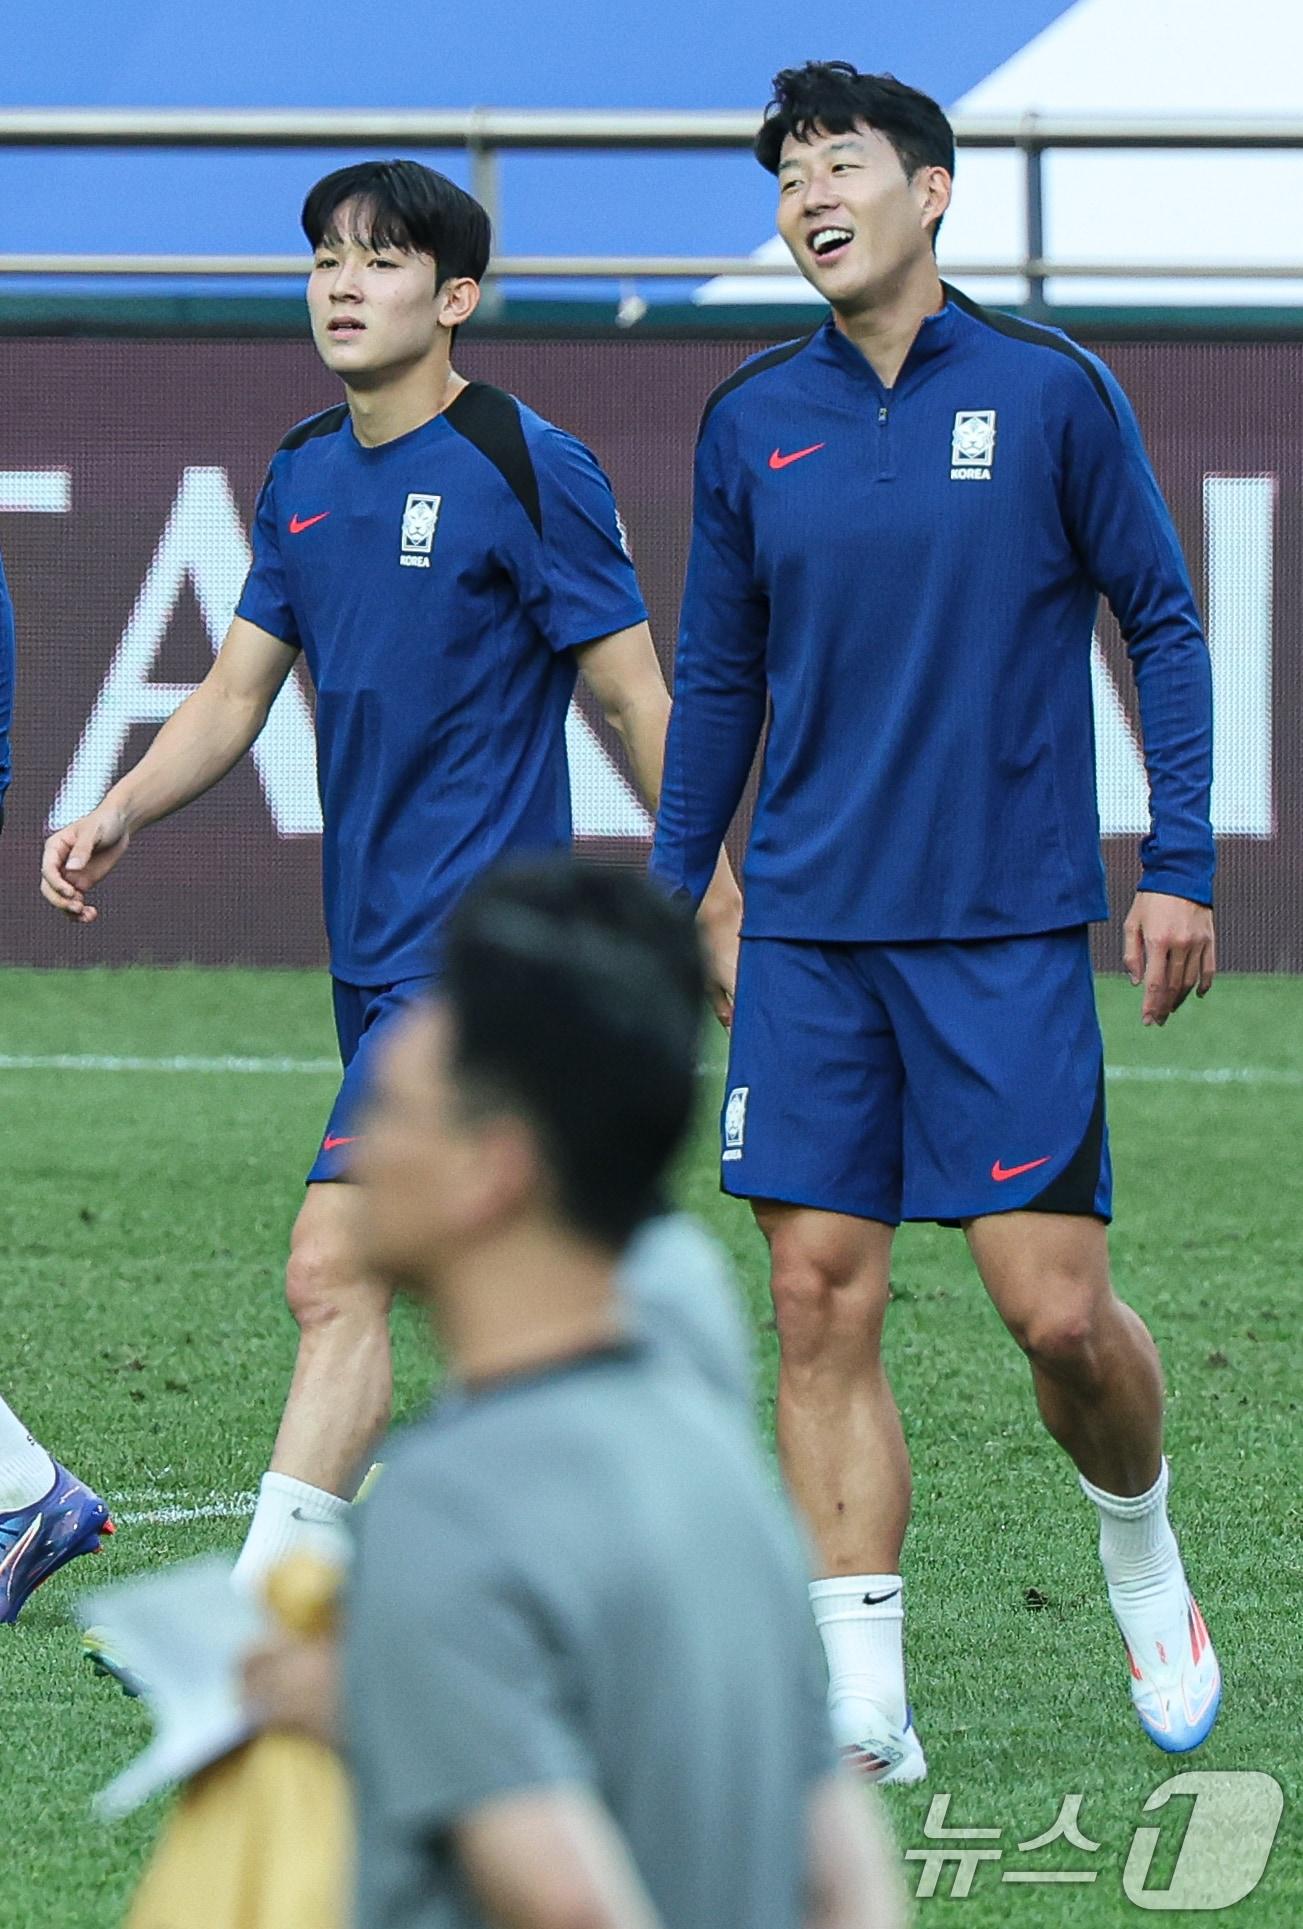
[(38, 1540), (1176, 1686)]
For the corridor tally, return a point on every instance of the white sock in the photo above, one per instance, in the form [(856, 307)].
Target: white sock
[(861, 1622), (1142, 1564), (26, 1469), (290, 1516)]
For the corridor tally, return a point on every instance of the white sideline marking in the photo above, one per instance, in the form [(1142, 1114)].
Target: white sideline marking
[(91, 1062), (319, 1067), (172, 1510), (1203, 1075), (176, 1516)]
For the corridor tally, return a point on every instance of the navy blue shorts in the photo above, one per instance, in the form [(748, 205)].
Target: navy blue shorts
[(363, 1015), (918, 1081)]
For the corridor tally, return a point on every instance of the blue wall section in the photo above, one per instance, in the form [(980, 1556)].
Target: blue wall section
[(515, 53), (506, 53)]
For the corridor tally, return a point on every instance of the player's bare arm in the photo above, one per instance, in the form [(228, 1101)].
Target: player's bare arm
[(624, 674), (1170, 948), (551, 1859), (202, 740)]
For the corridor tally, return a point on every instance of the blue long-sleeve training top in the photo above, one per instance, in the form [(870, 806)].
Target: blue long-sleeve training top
[(908, 579), (7, 673)]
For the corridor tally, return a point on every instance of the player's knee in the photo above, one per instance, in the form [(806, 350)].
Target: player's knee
[(316, 1280), (826, 1297), (1061, 1336)]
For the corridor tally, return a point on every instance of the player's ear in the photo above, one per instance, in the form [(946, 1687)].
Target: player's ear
[(458, 299), (934, 184)]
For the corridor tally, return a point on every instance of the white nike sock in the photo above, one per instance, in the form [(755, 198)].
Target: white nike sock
[(861, 1622), (291, 1515), (26, 1469), (1142, 1564)]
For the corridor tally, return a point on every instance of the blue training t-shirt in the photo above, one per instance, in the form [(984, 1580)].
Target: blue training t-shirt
[(907, 580), (436, 585)]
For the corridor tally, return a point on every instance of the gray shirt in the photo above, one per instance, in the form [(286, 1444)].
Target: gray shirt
[(677, 1283), (585, 1575)]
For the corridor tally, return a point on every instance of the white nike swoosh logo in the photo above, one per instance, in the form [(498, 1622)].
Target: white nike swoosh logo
[(21, 1545)]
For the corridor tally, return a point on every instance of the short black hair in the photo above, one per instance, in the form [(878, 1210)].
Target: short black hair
[(832, 97), (402, 204), (575, 996)]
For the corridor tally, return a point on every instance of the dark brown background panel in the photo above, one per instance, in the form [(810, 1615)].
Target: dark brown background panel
[(126, 420)]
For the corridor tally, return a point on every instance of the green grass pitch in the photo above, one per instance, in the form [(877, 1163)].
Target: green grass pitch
[(145, 1217)]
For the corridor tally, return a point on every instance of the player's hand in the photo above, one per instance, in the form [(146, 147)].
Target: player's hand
[(719, 926), (1171, 949), (292, 1683), (77, 857)]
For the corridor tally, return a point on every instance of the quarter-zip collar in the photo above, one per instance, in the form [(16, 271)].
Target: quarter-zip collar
[(935, 336)]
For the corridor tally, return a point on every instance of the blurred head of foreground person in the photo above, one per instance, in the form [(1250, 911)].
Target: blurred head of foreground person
[(580, 1687), (526, 1119)]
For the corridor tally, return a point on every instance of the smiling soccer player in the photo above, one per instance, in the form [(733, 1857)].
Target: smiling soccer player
[(902, 527), (446, 561)]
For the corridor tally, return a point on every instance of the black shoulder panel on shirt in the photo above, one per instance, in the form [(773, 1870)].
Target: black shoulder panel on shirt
[(327, 423), (1025, 331), (490, 419), (759, 363)]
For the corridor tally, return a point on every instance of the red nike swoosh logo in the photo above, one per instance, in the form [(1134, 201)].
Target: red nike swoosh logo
[(328, 1145), (299, 523), (1002, 1172), (777, 461)]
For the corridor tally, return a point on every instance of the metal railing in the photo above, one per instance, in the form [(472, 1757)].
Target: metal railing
[(485, 134)]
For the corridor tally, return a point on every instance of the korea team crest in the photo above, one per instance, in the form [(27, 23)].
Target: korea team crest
[(735, 1121), (420, 518), (972, 445)]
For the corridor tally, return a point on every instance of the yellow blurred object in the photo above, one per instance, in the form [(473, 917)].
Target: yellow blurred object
[(373, 1474), (263, 1839), (258, 1841), (303, 1594)]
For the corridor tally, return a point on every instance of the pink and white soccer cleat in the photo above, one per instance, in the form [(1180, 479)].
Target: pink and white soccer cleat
[(1176, 1684)]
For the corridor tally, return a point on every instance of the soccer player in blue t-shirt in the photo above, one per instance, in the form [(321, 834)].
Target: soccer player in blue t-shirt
[(902, 527), (47, 1515), (446, 561)]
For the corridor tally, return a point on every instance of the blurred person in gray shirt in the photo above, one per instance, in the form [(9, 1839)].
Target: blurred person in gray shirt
[(678, 1286), (580, 1689)]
